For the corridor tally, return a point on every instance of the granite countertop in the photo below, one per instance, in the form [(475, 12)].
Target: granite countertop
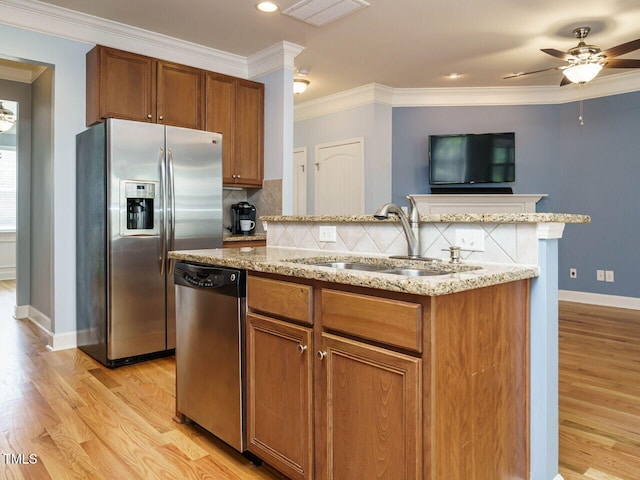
[(287, 261), (442, 218), (257, 237)]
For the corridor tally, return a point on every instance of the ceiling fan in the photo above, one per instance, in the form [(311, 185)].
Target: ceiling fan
[(586, 61)]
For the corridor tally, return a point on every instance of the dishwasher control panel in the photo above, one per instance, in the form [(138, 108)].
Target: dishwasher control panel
[(204, 276)]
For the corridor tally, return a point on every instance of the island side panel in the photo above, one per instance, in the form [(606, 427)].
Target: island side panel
[(480, 371)]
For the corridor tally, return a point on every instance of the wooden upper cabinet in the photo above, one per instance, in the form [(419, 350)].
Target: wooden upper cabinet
[(249, 151), (120, 84), (235, 108), (135, 87), (179, 95), (220, 116)]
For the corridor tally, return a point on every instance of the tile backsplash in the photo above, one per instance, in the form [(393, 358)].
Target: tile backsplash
[(267, 200), (504, 243)]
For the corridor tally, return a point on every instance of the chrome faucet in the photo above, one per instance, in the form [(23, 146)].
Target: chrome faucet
[(410, 223)]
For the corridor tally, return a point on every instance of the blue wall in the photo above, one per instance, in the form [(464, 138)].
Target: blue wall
[(593, 169)]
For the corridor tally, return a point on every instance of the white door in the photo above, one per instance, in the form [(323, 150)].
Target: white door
[(339, 178), (300, 181)]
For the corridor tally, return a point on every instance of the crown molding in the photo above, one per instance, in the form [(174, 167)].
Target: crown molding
[(476, 96), (271, 59), (355, 97), (61, 22)]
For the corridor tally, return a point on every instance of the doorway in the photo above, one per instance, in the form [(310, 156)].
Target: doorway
[(8, 188)]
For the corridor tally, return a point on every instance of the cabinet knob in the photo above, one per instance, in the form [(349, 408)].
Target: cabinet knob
[(320, 354), (302, 348), (233, 176), (237, 176), (149, 116), (161, 117)]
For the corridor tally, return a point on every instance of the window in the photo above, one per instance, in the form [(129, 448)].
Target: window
[(8, 174)]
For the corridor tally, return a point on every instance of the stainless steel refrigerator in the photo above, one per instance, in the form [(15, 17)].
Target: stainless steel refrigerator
[(142, 190)]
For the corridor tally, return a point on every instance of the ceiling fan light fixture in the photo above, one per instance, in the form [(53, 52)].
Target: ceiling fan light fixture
[(7, 118), (582, 72), (300, 85)]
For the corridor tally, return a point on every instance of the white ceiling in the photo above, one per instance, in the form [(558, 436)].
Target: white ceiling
[(398, 43)]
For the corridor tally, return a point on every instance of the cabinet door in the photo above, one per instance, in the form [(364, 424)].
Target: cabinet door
[(180, 99), (121, 85), (249, 143), (220, 116), (279, 414), (371, 408)]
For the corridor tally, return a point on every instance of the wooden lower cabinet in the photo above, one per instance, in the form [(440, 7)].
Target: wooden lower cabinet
[(356, 384), (279, 389), (371, 407)]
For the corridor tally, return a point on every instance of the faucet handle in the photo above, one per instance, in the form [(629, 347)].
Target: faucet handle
[(414, 215)]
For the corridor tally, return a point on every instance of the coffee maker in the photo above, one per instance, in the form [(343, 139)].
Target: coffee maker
[(243, 215)]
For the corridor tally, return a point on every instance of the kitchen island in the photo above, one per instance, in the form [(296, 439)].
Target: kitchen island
[(362, 374)]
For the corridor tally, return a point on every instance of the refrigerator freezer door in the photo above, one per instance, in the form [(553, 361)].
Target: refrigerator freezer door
[(136, 323), (194, 199)]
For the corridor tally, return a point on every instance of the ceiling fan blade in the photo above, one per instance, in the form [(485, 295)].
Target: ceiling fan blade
[(622, 63), (565, 81), (558, 54), (516, 75), (622, 49)]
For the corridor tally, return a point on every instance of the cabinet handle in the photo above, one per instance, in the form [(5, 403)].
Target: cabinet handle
[(233, 176), (149, 116), (320, 354), (237, 176), (302, 348), (161, 117)]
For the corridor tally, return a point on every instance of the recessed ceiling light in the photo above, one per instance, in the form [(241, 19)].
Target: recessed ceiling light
[(267, 7), (453, 75)]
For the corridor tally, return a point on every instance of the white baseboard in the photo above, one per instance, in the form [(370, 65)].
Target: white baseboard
[(599, 299), (40, 319), (8, 272), (21, 311), (62, 341), (55, 341)]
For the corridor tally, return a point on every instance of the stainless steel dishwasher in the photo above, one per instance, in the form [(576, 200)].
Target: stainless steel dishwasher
[(210, 311)]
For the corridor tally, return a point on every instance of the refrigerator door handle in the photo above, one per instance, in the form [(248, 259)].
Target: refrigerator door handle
[(172, 206), (163, 209)]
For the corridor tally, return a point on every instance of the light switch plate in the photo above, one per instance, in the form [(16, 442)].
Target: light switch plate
[(327, 234), (470, 239)]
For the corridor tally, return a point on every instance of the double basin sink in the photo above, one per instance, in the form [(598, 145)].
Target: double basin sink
[(408, 267), (409, 272)]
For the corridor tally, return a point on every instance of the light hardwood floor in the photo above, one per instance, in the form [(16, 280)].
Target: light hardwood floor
[(599, 393), (82, 420)]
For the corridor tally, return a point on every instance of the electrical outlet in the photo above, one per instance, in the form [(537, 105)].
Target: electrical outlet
[(573, 273), (470, 239), (327, 234), (600, 275), (608, 276)]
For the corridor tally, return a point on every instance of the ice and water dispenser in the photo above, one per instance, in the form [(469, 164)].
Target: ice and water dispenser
[(137, 208)]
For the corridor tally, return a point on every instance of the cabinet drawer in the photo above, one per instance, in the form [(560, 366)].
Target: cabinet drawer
[(282, 299), (392, 322)]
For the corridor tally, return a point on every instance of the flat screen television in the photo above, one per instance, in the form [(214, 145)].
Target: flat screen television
[(472, 158)]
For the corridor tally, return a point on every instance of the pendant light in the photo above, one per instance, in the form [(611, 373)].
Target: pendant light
[(300, 85), (7, 118)]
